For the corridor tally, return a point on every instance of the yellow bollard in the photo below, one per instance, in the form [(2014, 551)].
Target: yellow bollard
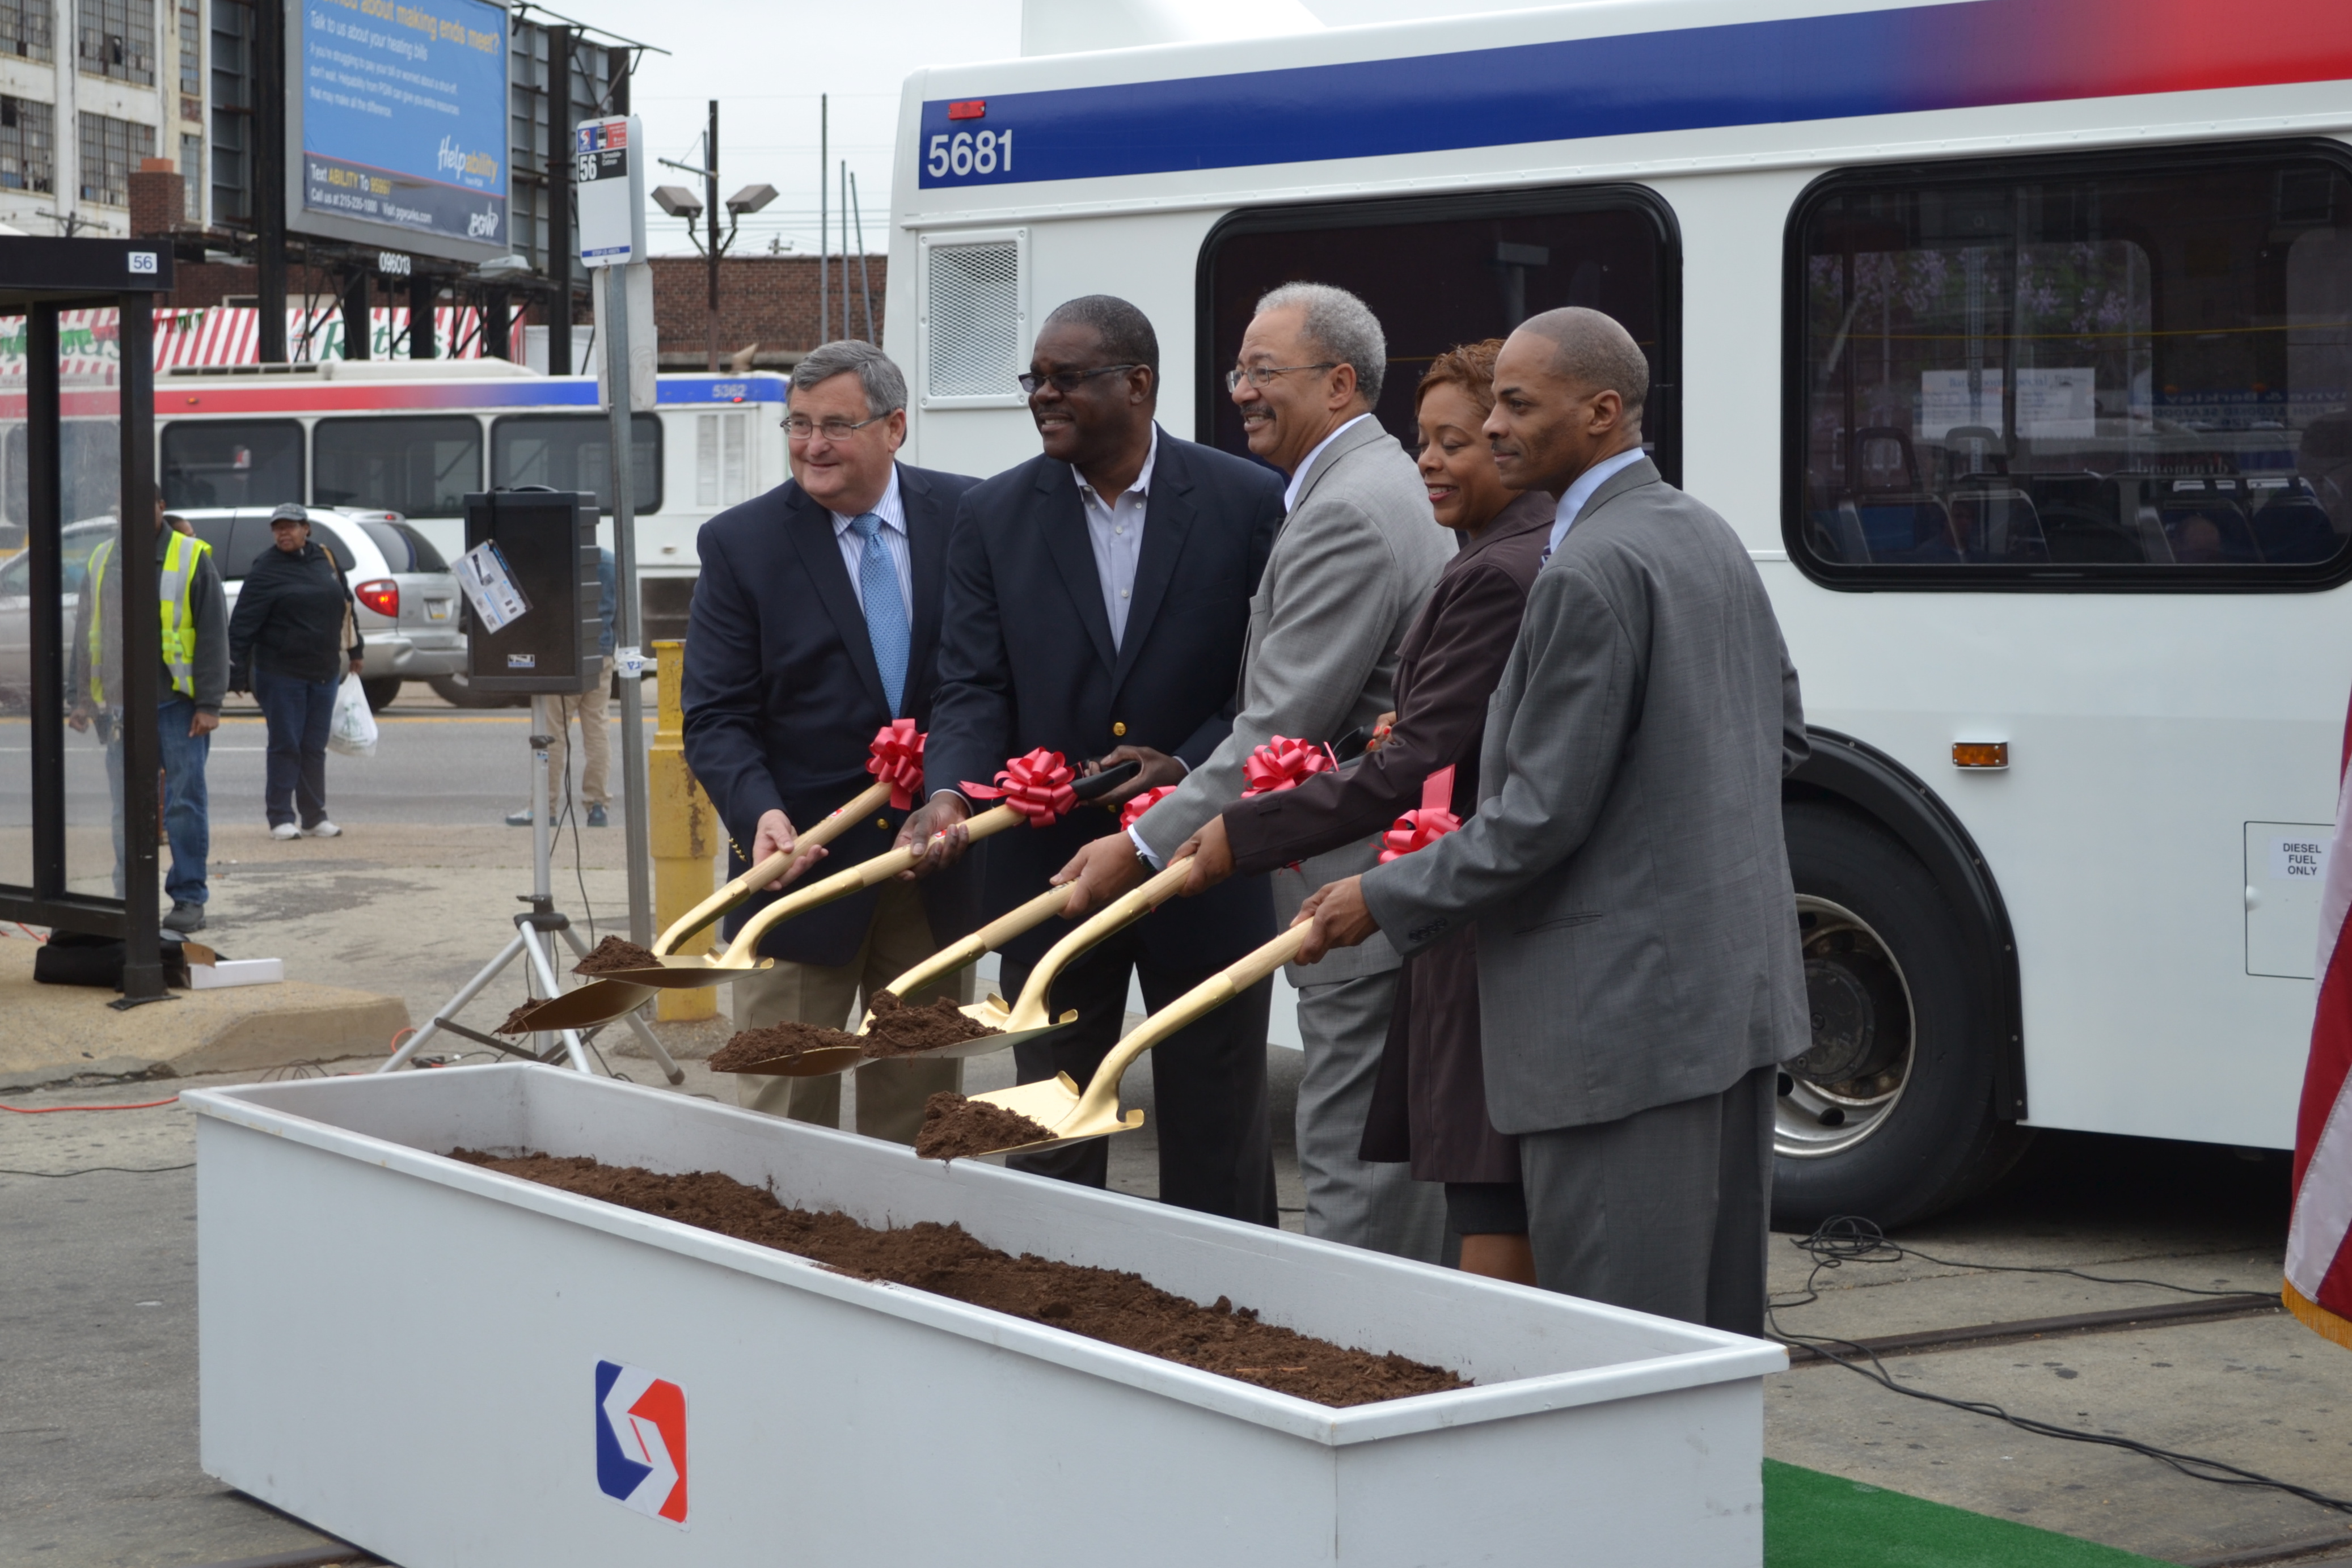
[(686, 836)]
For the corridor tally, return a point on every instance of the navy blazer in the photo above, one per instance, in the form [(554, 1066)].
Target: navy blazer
[(1026, 661), (782, 695)]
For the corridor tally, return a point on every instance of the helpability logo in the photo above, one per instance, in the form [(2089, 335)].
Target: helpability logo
[(641, 1441)]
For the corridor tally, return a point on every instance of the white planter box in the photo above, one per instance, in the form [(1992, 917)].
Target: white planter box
[(835, 1421)]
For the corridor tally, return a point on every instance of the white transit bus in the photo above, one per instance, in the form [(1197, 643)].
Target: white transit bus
[(2011, 335), (415, 436)]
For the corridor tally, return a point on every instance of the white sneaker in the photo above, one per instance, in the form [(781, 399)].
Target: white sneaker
[(284, 831), (322, 829)]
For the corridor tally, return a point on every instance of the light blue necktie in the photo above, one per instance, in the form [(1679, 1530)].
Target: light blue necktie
[(886, 612)]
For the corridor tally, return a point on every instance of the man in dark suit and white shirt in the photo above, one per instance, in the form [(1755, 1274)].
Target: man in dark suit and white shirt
[(1638, 977), (1097, 597), (816, 622)]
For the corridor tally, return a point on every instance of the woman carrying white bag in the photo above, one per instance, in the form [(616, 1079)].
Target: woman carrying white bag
[(293, 630)]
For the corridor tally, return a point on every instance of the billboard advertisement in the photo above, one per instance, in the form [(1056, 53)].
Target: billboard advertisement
[(399, 123)]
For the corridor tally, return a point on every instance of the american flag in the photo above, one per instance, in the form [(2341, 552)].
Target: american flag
[(2318, 1257)]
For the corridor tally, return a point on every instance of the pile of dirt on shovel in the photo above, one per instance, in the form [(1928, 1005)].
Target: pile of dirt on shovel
[(750, 1048), (1103, 1304), (955, 1128), (612, 954), (898, 1030)]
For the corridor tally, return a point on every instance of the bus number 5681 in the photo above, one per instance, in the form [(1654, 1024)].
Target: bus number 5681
[(965, 153)]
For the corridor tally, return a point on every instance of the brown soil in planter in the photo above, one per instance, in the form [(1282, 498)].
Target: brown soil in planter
[(1101, 1303), (955, 1128), (899, 1029), (612, 954), (779, 1041)]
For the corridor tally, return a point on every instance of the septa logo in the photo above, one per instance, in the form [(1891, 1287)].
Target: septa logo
[(641, 1441)]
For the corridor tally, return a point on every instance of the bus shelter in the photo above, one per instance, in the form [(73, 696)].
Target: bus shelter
[(79, 773)]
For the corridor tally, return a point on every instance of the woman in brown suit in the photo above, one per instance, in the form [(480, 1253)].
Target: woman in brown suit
[(1429, 1108)]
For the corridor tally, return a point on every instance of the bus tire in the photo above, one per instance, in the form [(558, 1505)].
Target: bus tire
[(1890, 1112), (380, 694)]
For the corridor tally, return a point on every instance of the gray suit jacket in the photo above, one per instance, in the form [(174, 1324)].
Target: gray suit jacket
[(1637, 929), (1353, 564)]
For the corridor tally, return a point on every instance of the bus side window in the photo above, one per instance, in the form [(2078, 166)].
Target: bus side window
[(233, 462), (2125, 368), (721, 458), (419, 467), (571, 452)]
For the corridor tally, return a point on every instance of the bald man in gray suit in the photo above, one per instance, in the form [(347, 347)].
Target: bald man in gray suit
[(1638, 967)]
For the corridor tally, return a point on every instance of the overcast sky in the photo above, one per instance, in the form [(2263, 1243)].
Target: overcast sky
[(766, 64)]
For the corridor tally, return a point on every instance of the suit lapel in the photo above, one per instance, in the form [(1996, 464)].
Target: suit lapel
[(1167, 518), (927, 545), (811, 527), (1356, 435), (1074, 554)]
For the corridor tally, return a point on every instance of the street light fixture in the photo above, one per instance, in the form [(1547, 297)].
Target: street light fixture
[(678, 201), (750, 199)]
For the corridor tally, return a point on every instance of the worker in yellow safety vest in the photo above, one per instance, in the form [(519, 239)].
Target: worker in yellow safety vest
[(194, 678)]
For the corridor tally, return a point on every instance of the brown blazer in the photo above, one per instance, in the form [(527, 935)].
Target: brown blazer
[(1431, 1106)]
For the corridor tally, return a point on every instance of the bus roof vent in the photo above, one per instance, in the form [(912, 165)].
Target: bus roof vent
[(975, 318)]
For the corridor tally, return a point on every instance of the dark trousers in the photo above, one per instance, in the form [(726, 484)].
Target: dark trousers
[(1216, 1143), (299, 713), (1663, 1211)]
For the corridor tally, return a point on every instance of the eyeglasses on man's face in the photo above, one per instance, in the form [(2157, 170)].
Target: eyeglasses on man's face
[(1066, 381), (800, 426), (1262, 375)]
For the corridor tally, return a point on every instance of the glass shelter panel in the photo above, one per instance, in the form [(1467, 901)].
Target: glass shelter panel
[(2133, 370)]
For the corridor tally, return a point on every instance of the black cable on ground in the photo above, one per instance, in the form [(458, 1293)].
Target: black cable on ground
[(1845, 1238)]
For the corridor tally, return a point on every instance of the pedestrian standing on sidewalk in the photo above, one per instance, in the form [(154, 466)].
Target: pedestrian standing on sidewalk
[(286, 643), (592, 709), (187, 710)]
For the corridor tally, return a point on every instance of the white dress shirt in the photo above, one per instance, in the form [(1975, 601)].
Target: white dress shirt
[(892, 510), (1290, 491), (1116, 533), (1590, 480)]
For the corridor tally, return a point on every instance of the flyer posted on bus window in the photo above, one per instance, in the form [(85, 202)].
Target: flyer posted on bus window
[(405, 115)]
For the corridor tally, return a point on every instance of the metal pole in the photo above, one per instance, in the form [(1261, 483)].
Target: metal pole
[(622, 469), (865, 276), (846, 328), (561, 246), (267, 169), (142, 649), (823, 228), (44, 493), (710, 217)]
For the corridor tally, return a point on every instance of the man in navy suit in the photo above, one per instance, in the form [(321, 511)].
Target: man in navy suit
[(816, 622), (1098, 596)]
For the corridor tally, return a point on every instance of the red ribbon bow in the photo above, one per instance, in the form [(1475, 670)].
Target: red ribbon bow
[(1283, 763), (1418, 830), (1037, 786), (1135, 808), (898, 760)]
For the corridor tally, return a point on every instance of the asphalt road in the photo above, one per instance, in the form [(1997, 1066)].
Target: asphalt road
[(433, 765)]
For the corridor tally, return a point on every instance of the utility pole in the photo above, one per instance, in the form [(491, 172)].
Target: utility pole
[(823, 228), (710, 217), (558, 201), (268, 170), (865, 277)]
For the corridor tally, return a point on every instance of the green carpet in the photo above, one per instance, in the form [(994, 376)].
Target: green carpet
[(1813, 1520)]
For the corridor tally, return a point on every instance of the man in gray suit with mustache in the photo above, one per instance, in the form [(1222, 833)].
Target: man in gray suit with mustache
[(1638, 967)]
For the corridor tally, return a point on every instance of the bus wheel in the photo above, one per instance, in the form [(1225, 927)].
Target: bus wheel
[(1888, 1112), (380, 694)]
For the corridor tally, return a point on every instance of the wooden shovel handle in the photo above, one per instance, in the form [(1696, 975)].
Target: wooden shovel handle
[(1115, 916), (1101, 1097), (993, 934), (770, 869), (842, 883)]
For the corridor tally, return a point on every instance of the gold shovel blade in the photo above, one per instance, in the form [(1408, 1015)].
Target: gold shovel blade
[(829, 1058), (817, 1064), (1054, 1103), (611, 996)]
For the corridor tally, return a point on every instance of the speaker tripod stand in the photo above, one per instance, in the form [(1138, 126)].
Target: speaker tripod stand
[(532, 941)]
